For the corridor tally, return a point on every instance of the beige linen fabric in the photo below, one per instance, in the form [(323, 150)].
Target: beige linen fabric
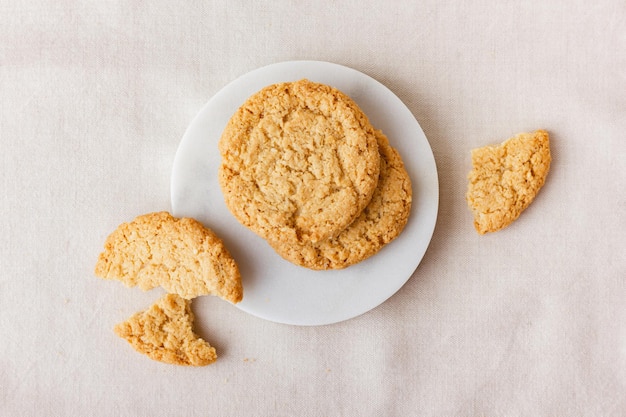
[(531, 320)]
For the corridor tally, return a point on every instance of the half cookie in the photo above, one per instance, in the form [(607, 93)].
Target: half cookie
[(380, 222), (180, 255), (506, 178), (299, 162), (164, 333)]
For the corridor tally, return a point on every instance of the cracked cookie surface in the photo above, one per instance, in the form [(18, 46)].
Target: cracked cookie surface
[(180, 255), (164, 332), (382, 220), (506, 178), (299, 162)]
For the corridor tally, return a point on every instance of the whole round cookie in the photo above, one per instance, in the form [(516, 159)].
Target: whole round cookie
[(300, 162), (380, 222)]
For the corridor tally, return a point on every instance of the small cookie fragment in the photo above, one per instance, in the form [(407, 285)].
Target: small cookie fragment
[(164, 333), (299, 162), (380, 222), (180, 255), (506, 178)]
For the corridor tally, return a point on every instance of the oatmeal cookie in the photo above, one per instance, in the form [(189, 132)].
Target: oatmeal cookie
[(180, 255), (299, 162), (380, 222), (164, 333), (506, 178)]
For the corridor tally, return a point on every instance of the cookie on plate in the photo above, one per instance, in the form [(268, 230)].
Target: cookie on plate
[(506, 178), (164, 333), (180, 255), (299, 162), (382, 220)]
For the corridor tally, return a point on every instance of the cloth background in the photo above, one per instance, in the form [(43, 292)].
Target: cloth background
[(529, 321)]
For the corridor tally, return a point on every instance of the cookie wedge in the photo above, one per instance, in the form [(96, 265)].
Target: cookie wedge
[(505, 179), (164, 332), (180, 255)]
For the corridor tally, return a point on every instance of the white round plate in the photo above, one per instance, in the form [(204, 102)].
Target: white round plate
[(275, 289)]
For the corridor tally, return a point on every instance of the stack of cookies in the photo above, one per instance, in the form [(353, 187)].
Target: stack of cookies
[(303, 168)]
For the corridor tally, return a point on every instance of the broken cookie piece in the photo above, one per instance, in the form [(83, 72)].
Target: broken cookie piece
[(164, 333), (506, 178), (180, 255)]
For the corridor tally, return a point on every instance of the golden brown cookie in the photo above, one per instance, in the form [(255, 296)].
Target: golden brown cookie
[(164, 333), (299, 162), (380, 222), (505, 179), (180, 255)]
